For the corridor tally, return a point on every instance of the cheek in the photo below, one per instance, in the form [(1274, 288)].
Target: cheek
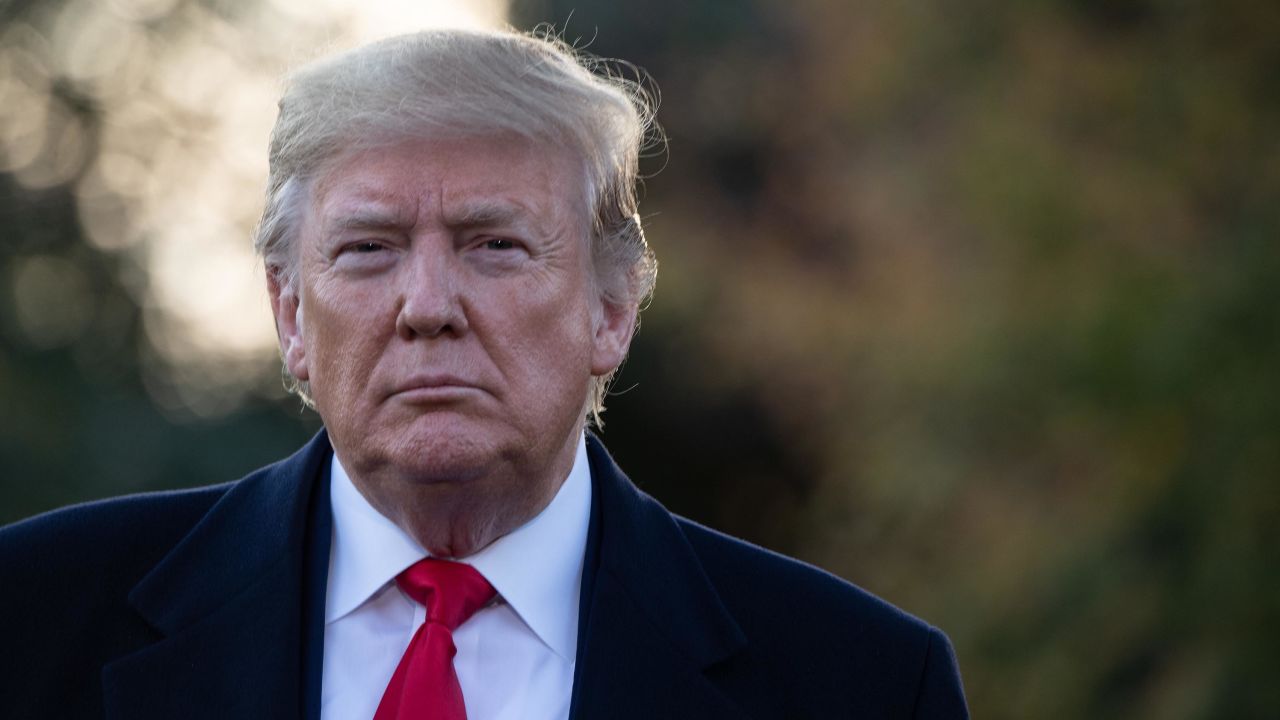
[(341, 347), (559, 336)]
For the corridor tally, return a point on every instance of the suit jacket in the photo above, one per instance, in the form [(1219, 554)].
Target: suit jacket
[(208, 603)]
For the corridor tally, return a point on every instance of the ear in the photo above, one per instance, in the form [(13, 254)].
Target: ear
[(287, 309), (613, 330)]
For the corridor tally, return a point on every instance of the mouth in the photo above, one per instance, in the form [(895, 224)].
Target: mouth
[(427, 389)]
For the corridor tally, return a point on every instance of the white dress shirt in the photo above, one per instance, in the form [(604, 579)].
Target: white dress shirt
[(515, 657)]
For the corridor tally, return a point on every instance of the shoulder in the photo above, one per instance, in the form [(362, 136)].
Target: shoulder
[(67, 576), (117, 534), (774, 579), (91, 540), (835, 639)]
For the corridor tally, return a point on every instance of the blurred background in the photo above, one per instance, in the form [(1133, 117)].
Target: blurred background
[(976, 305)]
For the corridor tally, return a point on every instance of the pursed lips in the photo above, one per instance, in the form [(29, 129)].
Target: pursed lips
[(435, 387)]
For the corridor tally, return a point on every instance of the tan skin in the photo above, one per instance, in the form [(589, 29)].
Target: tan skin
[(445, 318)]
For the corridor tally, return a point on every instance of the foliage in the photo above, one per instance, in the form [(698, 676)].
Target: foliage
[(1005, 279)]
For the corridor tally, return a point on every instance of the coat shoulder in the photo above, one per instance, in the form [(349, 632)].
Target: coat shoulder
[(75, 568), (77, 565), (828, 637), (775, 582), (115, 577), (84, 537)]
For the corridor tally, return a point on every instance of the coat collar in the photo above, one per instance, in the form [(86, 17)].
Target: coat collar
[(238, 612), (652, 621), (229, 603)]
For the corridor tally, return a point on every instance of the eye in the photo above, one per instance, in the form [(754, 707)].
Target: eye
[(496, 253), (366, 255)]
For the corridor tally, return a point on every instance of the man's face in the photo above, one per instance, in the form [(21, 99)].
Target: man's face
[(445, 318)]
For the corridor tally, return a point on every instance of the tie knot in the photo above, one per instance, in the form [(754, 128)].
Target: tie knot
[(450, 591)]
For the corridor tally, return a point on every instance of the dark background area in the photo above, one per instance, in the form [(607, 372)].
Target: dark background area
[(977, 306)]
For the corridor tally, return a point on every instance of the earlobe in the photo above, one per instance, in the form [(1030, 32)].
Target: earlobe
[(287, 309), (613, 333)]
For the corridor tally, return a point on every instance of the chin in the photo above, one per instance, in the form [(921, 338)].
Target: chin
[(444, 452)]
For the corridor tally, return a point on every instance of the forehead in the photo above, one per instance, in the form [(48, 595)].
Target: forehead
[(454, 180)]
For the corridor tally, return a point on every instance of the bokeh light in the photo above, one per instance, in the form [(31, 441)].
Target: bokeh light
[(159, 112)]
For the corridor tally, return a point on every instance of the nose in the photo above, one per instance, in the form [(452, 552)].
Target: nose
[(430, 303)]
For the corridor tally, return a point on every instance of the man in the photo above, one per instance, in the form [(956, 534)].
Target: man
[(455, 265)]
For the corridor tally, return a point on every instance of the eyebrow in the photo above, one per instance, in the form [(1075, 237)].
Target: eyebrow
[(368, 218), (487, 214), (481, 213)]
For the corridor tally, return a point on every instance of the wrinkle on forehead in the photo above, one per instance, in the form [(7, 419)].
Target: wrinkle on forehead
[(343, 200), (353, 192), (500, 210)]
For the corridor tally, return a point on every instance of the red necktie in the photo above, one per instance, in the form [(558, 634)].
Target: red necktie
[(425, 685)]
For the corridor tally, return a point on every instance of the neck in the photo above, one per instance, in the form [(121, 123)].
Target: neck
[(458, 516)]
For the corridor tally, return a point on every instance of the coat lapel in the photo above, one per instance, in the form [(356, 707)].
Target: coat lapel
[(228, 604), (652, 623)]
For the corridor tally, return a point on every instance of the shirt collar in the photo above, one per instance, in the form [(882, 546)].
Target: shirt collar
[(369, 550)]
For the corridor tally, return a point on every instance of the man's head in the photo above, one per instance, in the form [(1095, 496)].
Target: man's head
[(455, 266), (453, 83)]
